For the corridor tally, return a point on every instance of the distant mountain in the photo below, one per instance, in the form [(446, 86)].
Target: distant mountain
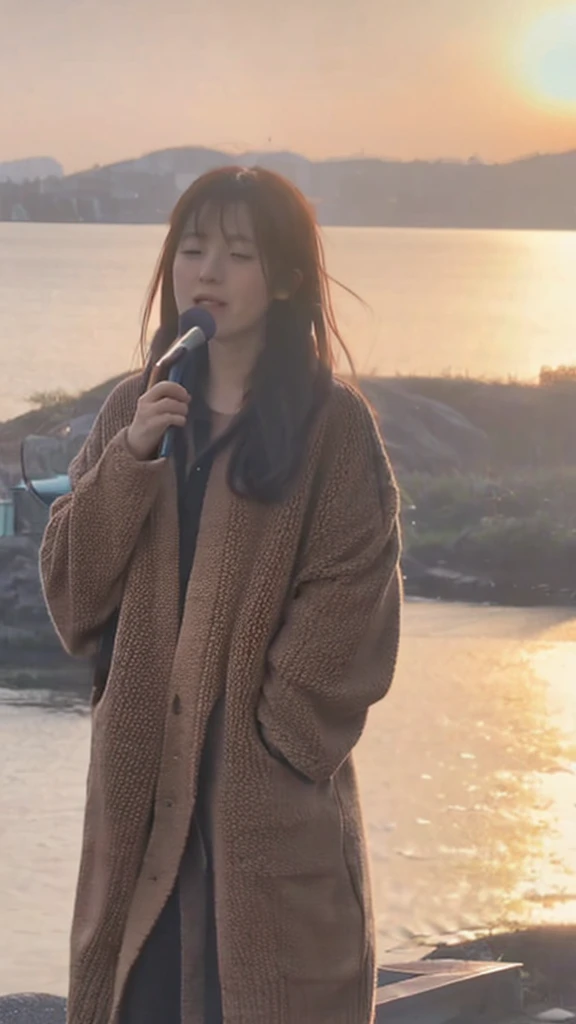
[(186, 163), (30, 169), (536, 192)]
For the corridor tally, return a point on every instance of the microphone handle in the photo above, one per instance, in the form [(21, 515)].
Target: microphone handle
[(167, 446)]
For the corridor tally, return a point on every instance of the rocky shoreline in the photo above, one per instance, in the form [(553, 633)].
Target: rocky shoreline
[(439, 583), (548, 958), (487, 473)]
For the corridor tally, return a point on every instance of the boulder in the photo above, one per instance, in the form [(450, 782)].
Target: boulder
[(424, 435), (21, 598), (32, 1008)]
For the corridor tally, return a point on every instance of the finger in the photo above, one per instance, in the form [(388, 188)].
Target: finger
[(159, 422), (165, 406), (174, 421), (168, 389)]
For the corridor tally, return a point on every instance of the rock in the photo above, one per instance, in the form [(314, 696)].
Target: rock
[(422, 434), (548, 956), (21, 599), (438, 582), (32, 1008), (555, 1016)]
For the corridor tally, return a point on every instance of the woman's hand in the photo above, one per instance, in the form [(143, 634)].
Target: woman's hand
[(164, 405)]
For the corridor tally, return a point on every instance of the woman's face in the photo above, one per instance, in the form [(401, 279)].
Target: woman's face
[(217, 266)]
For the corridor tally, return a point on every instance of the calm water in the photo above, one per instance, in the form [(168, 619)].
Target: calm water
[(480, 302), (467, 771)]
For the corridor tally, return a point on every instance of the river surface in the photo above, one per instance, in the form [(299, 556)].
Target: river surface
[(483, 303), (468, 773)]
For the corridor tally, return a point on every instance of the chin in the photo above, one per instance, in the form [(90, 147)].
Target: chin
[(228, 335)]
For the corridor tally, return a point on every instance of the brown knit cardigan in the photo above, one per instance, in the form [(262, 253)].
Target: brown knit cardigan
[(292, 615)]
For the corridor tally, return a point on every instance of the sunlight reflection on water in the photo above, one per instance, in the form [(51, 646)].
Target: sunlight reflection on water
[(467, 771)]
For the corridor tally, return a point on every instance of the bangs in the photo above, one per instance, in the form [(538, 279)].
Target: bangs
[(229, 216), (223, 198)]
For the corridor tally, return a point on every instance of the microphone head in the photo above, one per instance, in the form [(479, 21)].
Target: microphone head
[(197, 317)]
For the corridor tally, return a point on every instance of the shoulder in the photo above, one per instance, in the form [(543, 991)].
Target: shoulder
[(353, 450), (350, 419)]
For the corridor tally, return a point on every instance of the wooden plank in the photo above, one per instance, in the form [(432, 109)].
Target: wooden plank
[(438, 992)]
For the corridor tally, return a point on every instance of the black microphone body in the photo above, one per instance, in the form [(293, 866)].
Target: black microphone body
[(195, 327)]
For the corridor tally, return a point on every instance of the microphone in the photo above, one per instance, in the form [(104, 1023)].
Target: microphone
[(195, 327)]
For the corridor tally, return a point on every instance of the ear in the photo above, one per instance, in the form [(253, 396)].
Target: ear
[(285, 293)]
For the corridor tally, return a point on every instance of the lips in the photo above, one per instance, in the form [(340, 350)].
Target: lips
[(209, 301)]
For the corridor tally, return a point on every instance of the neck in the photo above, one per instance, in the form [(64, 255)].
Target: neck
[(230, 365)]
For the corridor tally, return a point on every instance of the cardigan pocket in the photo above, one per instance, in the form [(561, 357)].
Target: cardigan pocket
[(323, 915), (300, 852), (322, 933)]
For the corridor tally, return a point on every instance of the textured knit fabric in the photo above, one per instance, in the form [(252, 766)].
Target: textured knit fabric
[(292, 616), (154, 988)]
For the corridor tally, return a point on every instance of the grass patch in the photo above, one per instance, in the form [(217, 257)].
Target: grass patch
[(521, 524), (53, 400)]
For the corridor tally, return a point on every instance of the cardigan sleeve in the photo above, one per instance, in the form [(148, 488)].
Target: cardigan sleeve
[(335, 652), (92, 531)]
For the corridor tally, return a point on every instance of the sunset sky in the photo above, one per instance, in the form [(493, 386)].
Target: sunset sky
[(91, 81)]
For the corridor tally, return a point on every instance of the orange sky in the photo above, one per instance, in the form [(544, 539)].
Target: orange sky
[(90, 81)]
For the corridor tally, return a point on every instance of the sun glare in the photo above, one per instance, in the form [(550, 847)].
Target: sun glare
[(546, 57)]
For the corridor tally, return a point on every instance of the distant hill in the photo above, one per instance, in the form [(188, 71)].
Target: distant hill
[(537, 192), (31, 169)]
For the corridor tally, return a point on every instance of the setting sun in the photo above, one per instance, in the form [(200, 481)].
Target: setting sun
[(547, 57)]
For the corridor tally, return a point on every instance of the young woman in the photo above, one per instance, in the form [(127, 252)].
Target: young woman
[(242, 597)]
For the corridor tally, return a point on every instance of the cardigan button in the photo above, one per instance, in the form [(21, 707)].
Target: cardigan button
[(176, 705)]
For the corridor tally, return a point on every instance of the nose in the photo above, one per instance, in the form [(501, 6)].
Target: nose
[(211, 267)]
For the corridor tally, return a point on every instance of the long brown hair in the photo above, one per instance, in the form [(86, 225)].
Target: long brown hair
[(293, 374)]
